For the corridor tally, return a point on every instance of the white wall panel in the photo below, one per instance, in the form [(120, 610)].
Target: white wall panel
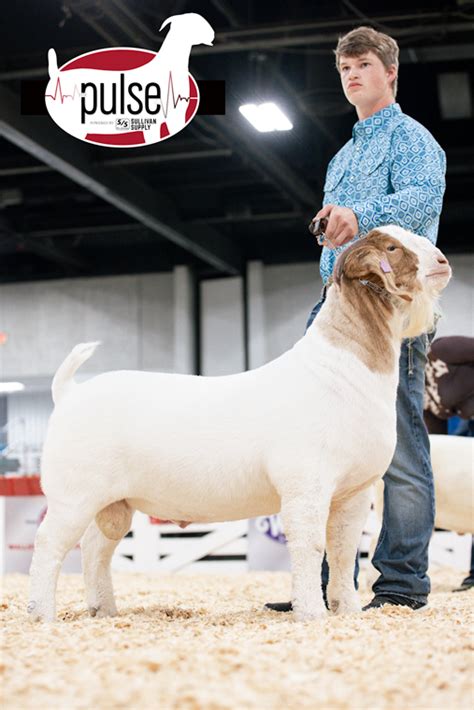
[(156, 319), (184, 321), (280, 299), (222, 327), (256, 315), (290, 292), (457, 299), (132, 316)]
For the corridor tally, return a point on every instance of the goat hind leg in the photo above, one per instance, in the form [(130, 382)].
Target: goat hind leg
[(60, 530), (97, 546)]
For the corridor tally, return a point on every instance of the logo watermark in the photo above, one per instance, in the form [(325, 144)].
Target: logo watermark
[(124, 97)]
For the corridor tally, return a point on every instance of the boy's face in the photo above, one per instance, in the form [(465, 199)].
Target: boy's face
[(365, 80)]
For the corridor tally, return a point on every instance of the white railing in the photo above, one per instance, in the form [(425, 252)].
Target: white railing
[(166, 548)]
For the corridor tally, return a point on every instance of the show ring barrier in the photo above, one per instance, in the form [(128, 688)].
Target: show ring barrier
[(153, 545)]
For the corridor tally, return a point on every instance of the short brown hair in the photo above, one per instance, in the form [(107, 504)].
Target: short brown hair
[(366, 39)]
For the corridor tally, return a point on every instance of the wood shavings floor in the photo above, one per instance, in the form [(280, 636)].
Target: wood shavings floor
[(204, 643)]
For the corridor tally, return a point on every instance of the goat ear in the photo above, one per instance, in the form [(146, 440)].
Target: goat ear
[(167, 22), (339, 267), (397, 284), (365, 261), (349, 263)]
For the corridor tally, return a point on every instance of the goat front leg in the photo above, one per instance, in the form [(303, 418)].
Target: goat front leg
[(344, 530), (97, 547), (304, 519)]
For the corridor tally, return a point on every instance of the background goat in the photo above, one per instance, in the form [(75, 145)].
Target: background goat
[(452, 459)]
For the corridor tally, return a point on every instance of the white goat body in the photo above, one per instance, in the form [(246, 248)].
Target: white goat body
[(200, 448), (452, 460), (308, 432)]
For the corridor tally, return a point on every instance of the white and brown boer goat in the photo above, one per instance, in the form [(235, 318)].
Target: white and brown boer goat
[(307, 433)]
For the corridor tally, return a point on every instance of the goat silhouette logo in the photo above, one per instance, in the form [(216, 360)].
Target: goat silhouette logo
[(123, 97)]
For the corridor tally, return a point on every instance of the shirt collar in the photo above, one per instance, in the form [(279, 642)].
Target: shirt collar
[(378, 121)]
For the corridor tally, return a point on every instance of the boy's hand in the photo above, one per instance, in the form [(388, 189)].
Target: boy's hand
[(342, 224)]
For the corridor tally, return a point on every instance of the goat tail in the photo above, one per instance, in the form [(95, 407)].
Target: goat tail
[(63, 378)]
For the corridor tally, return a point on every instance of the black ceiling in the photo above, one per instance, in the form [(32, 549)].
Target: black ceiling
[(219, 193)]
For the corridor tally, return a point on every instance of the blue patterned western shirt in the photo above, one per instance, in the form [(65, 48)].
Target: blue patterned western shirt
[(392, 171)]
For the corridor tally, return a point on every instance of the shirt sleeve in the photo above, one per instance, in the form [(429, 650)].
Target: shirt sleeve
[(417, 175)]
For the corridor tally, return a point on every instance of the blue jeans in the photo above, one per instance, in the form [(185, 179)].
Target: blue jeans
[(401, 555)]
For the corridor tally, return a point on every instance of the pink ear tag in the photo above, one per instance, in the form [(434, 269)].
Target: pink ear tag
[(385, 266)]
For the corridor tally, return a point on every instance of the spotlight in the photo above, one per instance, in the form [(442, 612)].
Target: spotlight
[(266, 117), (9, 387)]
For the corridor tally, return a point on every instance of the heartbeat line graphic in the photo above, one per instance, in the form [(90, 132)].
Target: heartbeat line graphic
[(175, 100), (61, 95), (170, 95)]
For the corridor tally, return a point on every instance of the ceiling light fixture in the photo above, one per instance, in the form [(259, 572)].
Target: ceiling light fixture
[(9, 387), (266, 117)]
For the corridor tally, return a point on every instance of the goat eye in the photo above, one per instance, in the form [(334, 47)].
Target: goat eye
[(391, 248)]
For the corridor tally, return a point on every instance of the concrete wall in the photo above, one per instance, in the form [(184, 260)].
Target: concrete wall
[(290, 293), (147, 321), (222, 327), (457, 301), (143, 322), (280, 299)]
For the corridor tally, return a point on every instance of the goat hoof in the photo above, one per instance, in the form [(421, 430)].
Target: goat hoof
[(310, 615), (343, 607), (36, 613), (93, 610)]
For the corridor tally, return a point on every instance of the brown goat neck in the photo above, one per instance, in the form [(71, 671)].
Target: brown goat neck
[(360, 320)]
